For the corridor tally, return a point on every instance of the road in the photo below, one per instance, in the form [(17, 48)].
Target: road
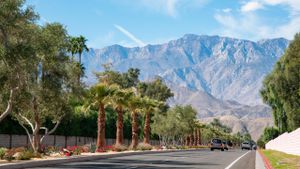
[(204, 159)]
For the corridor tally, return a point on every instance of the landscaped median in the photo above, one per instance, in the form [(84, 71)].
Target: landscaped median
[(77, 155), (280, 160)]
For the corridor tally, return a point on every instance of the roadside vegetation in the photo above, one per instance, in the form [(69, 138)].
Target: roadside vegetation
[(280, 160), (281, 91)]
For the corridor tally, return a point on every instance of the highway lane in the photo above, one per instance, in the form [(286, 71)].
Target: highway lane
[(202, 159)]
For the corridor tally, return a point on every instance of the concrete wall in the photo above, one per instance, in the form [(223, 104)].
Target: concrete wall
[(287, 142), (55, 140)]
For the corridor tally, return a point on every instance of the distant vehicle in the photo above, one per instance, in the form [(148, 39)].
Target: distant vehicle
[(225, 145), (246, 145), (254, 147), (216, 144)]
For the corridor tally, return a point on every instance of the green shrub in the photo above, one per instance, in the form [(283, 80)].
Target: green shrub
[(92, 147), (25, 155), (119, 147), (2, 152), (9, 155), (143, 146)]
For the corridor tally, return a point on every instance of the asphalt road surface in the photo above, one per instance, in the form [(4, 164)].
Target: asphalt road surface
[(206, 159)]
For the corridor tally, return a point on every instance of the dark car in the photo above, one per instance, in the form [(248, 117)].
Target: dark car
[(225, 145), (216, 144)]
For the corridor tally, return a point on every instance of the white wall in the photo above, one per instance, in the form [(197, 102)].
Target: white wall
[(287, 142)]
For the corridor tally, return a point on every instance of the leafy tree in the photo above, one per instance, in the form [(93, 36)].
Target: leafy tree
[(155, 90), (46, 94), (281, 88), (175, 125), (16, 45)]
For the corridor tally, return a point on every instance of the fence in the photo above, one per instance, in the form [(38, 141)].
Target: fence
[(287, 142), (10, 141)]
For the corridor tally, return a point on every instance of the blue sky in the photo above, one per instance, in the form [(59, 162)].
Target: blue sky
[(140, 22)]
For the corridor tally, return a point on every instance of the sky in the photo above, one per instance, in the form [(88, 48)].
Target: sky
[(140, 22)]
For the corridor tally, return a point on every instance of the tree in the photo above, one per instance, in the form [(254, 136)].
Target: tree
[(281, 88), (149, 105), (99, 96), (46, 93), (16, 26), (178, 123), (155, 90), (134, 105), (119, 101), (78, 45)]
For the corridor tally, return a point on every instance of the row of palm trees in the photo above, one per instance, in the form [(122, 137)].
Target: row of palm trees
[(103, 95)]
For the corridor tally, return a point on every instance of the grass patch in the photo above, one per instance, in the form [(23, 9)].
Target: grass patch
[(280, 160)]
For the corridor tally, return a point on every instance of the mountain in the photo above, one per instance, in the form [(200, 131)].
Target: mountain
[(218, 75)]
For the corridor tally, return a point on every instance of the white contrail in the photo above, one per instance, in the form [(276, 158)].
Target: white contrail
[(130, 35)]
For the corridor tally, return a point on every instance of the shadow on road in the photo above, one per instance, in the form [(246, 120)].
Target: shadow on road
[(126, 163)]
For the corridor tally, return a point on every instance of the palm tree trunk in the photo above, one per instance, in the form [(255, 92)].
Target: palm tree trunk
[(195, 137), (79, 75), (119, 134), (101, 129), (187, 141), (147, 129), (134, 137), (191, 140), (199, 136)]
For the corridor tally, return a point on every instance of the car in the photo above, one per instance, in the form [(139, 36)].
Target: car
[(216, 144), (246, 145), (225, 145), (254, 147)]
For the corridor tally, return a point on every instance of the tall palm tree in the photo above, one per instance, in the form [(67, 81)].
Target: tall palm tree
[(73, 46), (99, 96), (78, 45), (149, 105), (119, 101), (134, 105), (81, 40)]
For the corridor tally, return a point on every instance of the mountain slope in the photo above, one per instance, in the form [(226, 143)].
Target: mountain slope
[(220, 76), (216, 65)]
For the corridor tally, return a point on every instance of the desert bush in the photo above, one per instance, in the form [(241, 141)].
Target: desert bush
[(2, 152), (119, 147), (9, 155), (92, 147), (25, 155), (143, 146)]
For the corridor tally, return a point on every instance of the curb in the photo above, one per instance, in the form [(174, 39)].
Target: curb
[(266, 161), (30, 164)]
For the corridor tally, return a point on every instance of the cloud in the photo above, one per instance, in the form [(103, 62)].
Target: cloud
[(251, 6), (226, 10), (171, 7), (247, 24), (130, 35)]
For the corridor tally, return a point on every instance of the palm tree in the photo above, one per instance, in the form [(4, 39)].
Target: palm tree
[(119, 101), (78, 45), (73, 46), (134, 105), (99, 96), (81, 40), (149, 105)]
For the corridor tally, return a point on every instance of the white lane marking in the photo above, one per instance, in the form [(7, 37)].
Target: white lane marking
[(236, 160)]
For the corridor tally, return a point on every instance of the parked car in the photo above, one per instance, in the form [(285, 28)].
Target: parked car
[(246, 145), (216, 144), (225, 145)]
